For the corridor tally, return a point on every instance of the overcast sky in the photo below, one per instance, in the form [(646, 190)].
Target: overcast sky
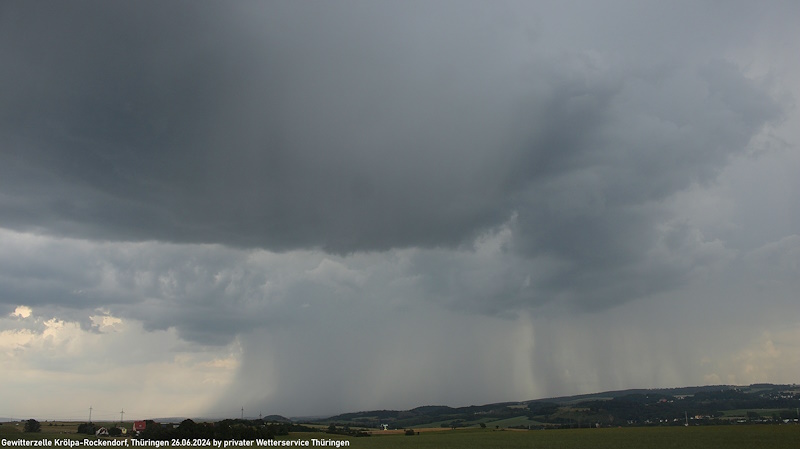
[(306, 208)]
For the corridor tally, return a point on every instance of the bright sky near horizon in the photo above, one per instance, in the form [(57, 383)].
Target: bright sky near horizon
[(306, 208)]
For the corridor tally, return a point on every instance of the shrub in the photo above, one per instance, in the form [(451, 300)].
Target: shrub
[(86, 428), (32, 425)]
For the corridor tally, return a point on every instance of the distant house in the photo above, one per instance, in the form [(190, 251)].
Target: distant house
[(139, 426)]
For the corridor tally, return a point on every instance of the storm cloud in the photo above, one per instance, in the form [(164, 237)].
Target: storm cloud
[(230, 174)]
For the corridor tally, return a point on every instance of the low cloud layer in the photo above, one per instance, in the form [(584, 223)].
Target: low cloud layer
[(337, 185)]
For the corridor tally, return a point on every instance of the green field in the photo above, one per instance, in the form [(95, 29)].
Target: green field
[(49, 429), (706, 437), (768, 412), (727, 437)]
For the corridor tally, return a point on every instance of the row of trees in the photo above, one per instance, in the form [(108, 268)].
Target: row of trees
[(225, 429), (345, 430)]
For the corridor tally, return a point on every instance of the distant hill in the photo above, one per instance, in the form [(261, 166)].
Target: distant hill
[(177, 420), (697, 405), (172, 419), (680, 391), (276, 418)]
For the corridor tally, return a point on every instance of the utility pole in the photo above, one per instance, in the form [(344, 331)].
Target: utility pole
[(90, 414), (242, 412), (120, 415)]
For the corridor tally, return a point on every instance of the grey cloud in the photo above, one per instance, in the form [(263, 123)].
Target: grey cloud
[(287, 126), (208, 293), (239, 141), (371, 322)]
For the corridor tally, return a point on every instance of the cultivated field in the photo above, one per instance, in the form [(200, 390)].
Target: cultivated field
[(705, 437)]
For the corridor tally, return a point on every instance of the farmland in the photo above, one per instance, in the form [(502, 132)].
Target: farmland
[(747, 436), (715, 416), (736, 436), (712, 405), (728, 437)]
